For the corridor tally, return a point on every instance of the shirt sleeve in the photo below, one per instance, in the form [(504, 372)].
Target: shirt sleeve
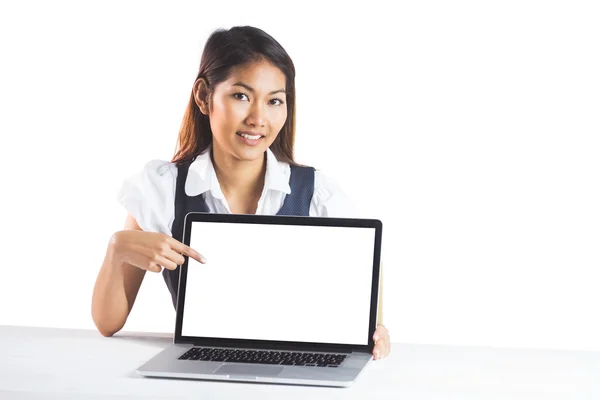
[(149, 196), (329, 200)]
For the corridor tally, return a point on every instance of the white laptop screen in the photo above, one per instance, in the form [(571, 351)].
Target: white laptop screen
[(279, 282)]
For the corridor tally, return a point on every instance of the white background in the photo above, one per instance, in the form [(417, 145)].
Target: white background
[(470, 128), (277, 282)]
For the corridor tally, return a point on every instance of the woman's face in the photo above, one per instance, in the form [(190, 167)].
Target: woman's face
[(248, 110)]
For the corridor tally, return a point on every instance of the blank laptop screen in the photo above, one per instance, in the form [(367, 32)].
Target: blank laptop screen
[(279, 282)]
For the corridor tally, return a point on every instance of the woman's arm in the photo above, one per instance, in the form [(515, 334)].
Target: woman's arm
[(116, 288)]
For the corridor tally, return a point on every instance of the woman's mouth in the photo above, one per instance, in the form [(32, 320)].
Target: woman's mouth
[(249, 139)]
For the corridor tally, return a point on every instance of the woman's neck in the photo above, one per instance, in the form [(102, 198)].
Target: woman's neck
[(239, 180)]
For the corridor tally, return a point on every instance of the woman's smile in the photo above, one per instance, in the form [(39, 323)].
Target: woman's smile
[(250, 138)]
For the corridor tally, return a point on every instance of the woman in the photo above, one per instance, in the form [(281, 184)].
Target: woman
[(235, 155)]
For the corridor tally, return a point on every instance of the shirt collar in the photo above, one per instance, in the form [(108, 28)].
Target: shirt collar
[(202, 177)]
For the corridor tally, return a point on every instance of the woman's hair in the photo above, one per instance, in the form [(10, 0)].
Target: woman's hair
[(224, 50)]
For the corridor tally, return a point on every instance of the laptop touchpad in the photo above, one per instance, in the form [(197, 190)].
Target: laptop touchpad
[(254, 370)]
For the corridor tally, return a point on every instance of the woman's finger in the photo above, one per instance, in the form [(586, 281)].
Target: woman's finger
[(175, 257), (187, 250), (378, 350), (385, 344), (380, 332), (154, 268), (385, 341), (382, 342), (165, 263)]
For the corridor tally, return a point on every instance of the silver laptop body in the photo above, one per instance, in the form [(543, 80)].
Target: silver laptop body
[(229, 320)]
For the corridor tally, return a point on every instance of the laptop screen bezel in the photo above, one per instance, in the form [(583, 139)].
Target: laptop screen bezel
[(280, 220)]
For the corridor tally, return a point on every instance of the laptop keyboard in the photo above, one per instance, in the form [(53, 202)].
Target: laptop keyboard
[(264, 357)]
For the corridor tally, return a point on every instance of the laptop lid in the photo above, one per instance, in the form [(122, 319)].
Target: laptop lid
[(280, 282)]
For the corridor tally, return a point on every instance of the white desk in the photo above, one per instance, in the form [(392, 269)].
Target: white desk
[(81, 364)]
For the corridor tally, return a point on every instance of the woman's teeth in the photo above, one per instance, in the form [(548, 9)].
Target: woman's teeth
[(250, 136)]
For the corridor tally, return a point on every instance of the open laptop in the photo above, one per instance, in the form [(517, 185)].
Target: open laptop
[(281, 299)]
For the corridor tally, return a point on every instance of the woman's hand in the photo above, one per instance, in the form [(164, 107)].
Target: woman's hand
[(381, 337), (151, 251)]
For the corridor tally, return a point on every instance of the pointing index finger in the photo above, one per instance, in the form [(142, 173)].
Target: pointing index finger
[(187, 250)]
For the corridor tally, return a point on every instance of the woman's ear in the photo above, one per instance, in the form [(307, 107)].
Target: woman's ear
[(201, 95)]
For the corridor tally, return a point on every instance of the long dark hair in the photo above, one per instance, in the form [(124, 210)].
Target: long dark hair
[(224, 50)]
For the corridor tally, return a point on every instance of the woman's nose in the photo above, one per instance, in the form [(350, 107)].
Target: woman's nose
[(256, 115)]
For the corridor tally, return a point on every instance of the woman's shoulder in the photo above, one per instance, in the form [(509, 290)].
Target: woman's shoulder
[(154, 174), (149, 195), (159, 168), (325, 183), (330, 199)]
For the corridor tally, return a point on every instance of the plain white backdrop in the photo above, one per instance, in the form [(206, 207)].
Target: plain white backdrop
[(471, 129)]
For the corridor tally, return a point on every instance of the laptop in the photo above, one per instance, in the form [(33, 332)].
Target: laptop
[(281, 299)]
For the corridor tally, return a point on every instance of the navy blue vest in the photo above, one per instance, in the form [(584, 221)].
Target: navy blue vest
[(302, 184)]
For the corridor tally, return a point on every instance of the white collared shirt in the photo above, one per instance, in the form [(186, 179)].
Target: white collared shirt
[(149, 195)]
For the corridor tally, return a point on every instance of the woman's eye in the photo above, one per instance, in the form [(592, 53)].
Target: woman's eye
[(276, 102), (240, 96)]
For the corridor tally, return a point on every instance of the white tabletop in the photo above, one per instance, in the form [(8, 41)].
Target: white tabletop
[(81, 364)]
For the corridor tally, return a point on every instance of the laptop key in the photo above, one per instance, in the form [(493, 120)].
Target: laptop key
[(263, 357)]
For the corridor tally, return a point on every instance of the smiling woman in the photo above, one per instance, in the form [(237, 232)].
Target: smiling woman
[(235, 155)]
